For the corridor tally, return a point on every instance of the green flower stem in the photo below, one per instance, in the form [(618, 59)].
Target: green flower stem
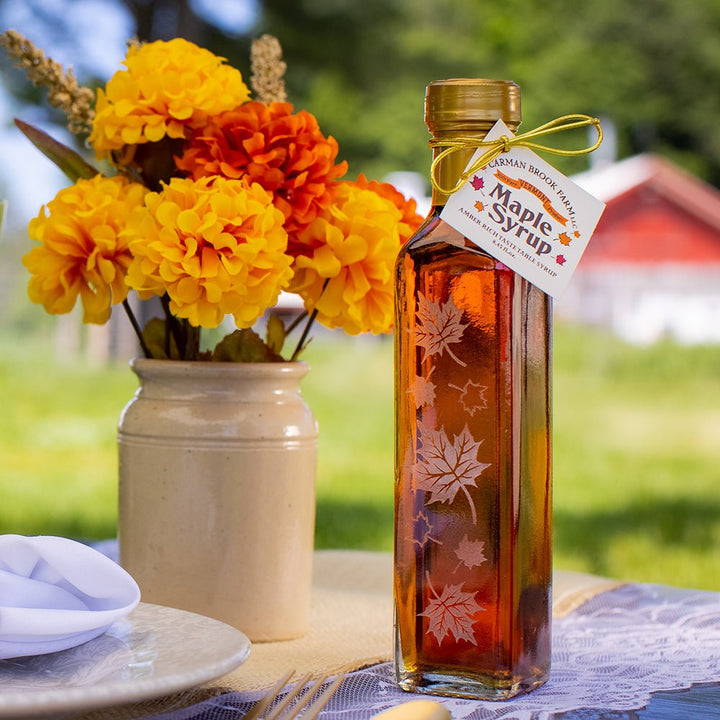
[(301, 342), (136, 327), (296, 322), (173, 330), (192, 341), (306, 331)]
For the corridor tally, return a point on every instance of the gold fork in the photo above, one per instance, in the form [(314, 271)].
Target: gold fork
[(309, 705)]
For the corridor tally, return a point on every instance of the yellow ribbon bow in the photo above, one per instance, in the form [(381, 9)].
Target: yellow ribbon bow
[(504, 143)]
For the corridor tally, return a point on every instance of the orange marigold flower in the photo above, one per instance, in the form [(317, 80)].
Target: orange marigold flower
[(215, 246), (411, 219), (286, 153), (346, 272), (167, 88), (82, 251)]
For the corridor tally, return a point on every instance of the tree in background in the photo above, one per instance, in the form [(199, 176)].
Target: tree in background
[(650, 66)]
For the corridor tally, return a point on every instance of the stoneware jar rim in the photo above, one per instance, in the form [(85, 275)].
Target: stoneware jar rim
[(286, 367)]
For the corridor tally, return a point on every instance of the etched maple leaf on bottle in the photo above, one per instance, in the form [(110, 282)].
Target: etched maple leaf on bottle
[(472, 396), (471, 553), (446, 467), (422, 530), (439, 326), (452, 613), (423, 391)]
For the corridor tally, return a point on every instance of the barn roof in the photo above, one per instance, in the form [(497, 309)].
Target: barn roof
[(612, 182)]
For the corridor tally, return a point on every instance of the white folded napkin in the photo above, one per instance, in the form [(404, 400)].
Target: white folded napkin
[(56, 593)]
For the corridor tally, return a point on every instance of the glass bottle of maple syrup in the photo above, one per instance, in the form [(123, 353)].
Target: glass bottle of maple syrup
[(473, 516)]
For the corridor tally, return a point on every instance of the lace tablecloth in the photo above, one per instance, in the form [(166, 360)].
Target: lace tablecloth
[(609, 656), (614, 646)]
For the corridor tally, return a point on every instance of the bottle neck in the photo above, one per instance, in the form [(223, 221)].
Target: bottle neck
[(451, 167), (448, 172)]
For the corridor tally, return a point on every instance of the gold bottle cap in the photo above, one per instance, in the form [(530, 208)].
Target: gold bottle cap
[(466, 103)]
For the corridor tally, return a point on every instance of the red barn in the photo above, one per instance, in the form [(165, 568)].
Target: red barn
[(652, 268)]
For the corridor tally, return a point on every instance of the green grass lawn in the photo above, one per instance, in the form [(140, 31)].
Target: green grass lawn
[(637, 450)]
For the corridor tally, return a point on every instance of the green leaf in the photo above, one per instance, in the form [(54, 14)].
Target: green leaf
[(275, 333), (244, 346), (70, 162), (154, 334)]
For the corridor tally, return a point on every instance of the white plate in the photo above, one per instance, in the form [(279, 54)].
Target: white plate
[(154, 651)]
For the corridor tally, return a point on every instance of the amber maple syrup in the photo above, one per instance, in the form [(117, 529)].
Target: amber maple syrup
[(473, 471)]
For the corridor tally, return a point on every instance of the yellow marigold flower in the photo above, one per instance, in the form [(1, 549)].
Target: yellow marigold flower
[(167, 88), (411, 220), (82, 251), (215, 246), (346, 271)]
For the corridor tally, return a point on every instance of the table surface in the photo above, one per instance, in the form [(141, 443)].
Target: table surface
[(365, 580), (701, 701)]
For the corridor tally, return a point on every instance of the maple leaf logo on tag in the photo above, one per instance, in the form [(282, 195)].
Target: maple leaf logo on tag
[(438, 327), (451, 613), (471, 553), (477, 182), (447, 467)]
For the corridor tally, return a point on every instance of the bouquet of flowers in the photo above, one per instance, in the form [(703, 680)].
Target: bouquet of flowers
[(211, 200)]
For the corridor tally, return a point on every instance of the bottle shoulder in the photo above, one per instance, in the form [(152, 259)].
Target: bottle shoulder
[(436, 237)]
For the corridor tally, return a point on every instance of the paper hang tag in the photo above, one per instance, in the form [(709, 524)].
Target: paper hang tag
[(526, 214)]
